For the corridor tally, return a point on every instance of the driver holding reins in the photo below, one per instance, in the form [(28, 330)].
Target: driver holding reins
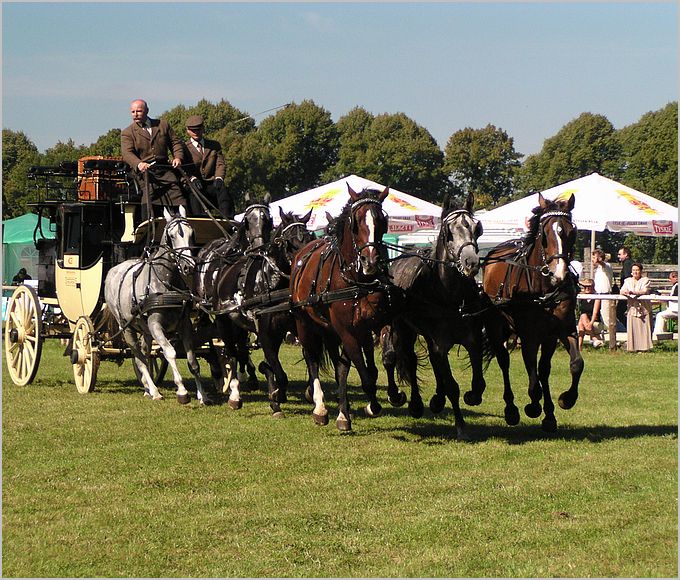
[(145, 145)]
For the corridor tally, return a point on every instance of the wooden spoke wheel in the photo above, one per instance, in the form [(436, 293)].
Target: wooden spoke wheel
[(23, 335), (158, 366), (84, 356)]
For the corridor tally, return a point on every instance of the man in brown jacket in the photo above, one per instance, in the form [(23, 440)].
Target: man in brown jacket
[(145, 145), (206, 168)]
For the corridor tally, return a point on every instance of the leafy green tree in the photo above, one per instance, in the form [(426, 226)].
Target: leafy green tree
[(107, 145), (585, 145), (18, 154), (296, 146), (484, 162), (353, 132)]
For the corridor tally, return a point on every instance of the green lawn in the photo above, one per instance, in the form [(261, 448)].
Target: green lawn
[(111, 484)]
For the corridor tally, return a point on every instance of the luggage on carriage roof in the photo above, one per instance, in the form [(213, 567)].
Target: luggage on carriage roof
[(101, 178)]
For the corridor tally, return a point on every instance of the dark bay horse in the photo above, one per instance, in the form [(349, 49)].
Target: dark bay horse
[(215, 261), (150, 298), (439, 289), (531, 286), (340, 296), (269, 272)]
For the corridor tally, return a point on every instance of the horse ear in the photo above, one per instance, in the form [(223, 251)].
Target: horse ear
[(384, 194), (267, 198), (182, 211), (246, 198), (470, 202), (166, 214), (305, 218), (571, 202), (542, 202), (353, 195), (281, 214), (329, 217)]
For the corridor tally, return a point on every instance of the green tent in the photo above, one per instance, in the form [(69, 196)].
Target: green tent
[(18, 248)]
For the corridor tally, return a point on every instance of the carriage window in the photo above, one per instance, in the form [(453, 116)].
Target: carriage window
[(95, 231), (71, 242)]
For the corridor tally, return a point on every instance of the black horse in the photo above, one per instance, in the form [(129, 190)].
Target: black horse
[(443, 305)]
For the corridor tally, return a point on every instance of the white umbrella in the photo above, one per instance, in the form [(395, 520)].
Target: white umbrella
[(407, 213), (601, 204)]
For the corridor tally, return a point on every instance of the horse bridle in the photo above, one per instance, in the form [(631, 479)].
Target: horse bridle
[(177, 221), (352, 211), (253, 207), (544, 269), (452, 217)]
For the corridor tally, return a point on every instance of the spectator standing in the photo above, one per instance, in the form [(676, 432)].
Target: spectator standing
[(626, 261), (207, 169), (588, 322), (639, 314), (603, 278), (145, 144), (672, 311)]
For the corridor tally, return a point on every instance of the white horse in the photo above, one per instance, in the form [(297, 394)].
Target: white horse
[(149, 297)]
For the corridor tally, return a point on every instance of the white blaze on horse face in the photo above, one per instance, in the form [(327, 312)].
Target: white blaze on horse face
[(369, 263), (561, 269)]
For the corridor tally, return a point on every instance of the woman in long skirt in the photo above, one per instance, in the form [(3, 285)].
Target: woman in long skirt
[(639, 314)]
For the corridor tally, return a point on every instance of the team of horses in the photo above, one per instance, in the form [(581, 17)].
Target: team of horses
[(340, 294)]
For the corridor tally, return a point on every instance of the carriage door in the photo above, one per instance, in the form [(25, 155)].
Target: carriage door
[(80, 259)]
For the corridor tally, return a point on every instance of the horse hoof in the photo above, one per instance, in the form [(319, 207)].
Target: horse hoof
[(344, 425), (472, 399), (437, 404), (308, 395), (184, 399), (278, 415), (373, 413), (549, 424), (398, 400), (320, 419), (533, 410), (566, 401), (236, 405), (511, 415), (416, 409)]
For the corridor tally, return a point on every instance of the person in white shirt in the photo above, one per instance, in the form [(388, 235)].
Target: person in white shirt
[(671, 311), (603, 277)]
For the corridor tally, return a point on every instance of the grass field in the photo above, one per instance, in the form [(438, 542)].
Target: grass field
[(110, 484)]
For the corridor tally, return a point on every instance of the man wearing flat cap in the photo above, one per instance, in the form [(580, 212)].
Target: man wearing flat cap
[(206, 169), (145, 145)]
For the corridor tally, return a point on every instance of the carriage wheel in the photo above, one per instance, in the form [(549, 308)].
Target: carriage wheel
[(158, 366), (23, 335), (84, 356)]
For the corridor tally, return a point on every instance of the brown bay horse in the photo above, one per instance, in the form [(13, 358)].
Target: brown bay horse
[(534, 293), (339, 297)]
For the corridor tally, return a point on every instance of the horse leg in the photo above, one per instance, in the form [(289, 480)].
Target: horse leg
[(548, 346), (142, 361), (226, 331), (438, 400), (342, 364), (395, 396), (474, 346), (529, 354), (407, 365), (370, 388), (568, 398), (312, 351), (277, 380), (156, 330), (205, 396), (440, 361), (503, 360)]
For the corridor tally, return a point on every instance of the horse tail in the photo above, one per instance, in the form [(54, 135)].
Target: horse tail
[(407, 357), (496, 331)]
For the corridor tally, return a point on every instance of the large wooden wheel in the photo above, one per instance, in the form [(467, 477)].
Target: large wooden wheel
[(23, 335), (84, 356)]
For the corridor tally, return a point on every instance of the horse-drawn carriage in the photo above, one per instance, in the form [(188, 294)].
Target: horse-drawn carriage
[(106, 280), (93, 207)]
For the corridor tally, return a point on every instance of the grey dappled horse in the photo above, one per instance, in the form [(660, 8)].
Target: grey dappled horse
[(149, 298)]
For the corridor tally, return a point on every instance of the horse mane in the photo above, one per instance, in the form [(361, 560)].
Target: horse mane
[(537, 213)]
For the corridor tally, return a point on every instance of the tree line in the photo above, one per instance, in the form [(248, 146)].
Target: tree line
[(299, 147)]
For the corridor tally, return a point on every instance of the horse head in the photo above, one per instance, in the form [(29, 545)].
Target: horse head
[(555, 236), (459, 233), (258, 224), (179, 235), (368, 224), (292, 233)]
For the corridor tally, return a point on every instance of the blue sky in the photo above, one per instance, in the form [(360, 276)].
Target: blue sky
[(70, 70)]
